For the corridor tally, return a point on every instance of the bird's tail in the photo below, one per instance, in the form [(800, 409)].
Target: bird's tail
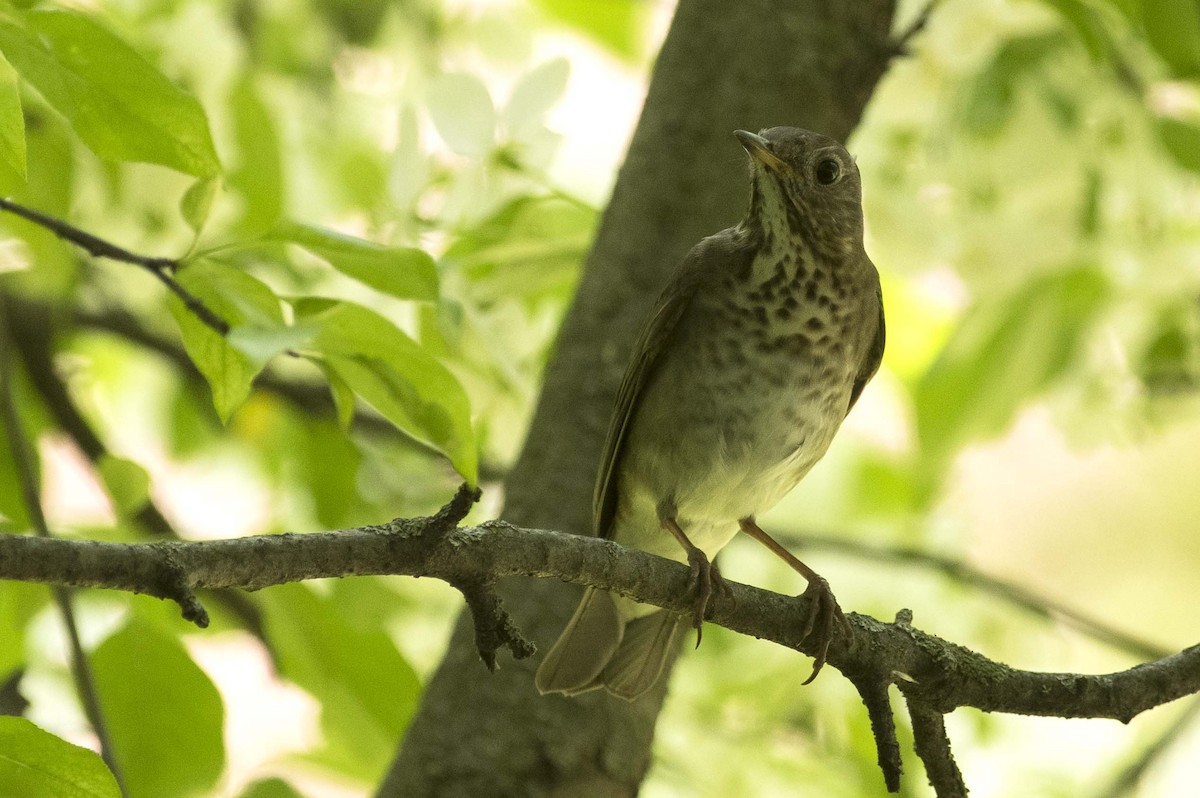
[(600, 648)]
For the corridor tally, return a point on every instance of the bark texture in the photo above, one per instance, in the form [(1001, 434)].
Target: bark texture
[(750, 64)]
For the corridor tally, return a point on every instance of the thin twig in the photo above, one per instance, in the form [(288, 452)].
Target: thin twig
[(30, 328), (162, 268), (933, 747), (919, 23), (23, 460), (968, 575)]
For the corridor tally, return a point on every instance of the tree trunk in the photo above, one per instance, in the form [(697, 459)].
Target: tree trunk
[(749, 64)]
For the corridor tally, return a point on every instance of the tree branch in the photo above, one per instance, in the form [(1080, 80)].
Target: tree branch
[(934, 675), (162, 268), (965, 574), (31, 330)]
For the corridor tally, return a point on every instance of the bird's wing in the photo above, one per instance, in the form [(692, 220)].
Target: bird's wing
[(870, 364), (655, 339)]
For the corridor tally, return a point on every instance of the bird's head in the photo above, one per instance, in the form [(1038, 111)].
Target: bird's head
[(804, 185)]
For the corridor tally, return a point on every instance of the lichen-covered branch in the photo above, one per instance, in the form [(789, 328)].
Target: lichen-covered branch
[(940, 676)]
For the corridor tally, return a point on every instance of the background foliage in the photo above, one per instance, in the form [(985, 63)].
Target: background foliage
[(389, 203)]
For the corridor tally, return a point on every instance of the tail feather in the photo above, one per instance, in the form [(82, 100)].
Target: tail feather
[(587, 643), (643, 654), (600, 647)]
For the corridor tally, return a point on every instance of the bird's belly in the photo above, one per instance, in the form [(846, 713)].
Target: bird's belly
[(720, 466)]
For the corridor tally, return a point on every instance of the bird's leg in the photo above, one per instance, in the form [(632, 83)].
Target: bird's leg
[(823, 607), (705, 574)]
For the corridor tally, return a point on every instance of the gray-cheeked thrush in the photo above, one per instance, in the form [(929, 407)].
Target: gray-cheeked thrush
[(757, 349)]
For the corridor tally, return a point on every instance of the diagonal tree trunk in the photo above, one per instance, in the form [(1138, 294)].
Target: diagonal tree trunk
[(725, 65)]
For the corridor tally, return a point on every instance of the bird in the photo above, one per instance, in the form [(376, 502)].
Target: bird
[(759, 346)]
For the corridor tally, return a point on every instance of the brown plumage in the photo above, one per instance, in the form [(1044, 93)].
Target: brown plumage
[(757, 349)]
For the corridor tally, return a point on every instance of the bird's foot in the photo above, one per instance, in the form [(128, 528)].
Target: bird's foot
[(705, 577), (823, 613)]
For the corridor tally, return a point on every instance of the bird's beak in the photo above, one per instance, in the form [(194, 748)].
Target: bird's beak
[(760, 150)]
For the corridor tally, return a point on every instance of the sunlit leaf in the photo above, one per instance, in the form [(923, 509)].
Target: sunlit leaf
[(536, 93), (259, 344), (12, 120), (403, 272), (164, 715), (238, 299), (406, 384), (120, 105), (36, 764), (462, 109), (617, 24)]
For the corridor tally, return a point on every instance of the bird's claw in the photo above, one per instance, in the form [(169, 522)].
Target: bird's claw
[(823, 612), (705, 576)]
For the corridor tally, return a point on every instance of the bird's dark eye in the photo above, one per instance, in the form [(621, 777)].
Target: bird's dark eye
[(828, 171)]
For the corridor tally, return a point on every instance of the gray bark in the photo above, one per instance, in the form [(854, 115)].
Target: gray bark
[(724, 65)]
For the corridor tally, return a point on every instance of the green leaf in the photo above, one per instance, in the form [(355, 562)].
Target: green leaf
[(270, 788), (127, 483), (19, 603), (13, 512), (343, 396), (260, 344), (991, 98), (1182, 140), (330, 464), (1173, 28), (164, 715), (403, 272), (197, 202), (36, 764), (240, 300), (120, 105), (406, 384), (1004, 353), (12, 120), (1087, 23), (258, 176), (367, 688), (616, 24), (536, 93), (463, 112), (531, 248)]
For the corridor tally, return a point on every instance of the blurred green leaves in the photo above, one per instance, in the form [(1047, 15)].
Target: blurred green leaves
[(12, 121), (402, 272), (463, 111), (119, 104), (1002, 355), (162, 754), (241, 301), (616, 24), (406, 384), (36, 764), (366, 687)]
